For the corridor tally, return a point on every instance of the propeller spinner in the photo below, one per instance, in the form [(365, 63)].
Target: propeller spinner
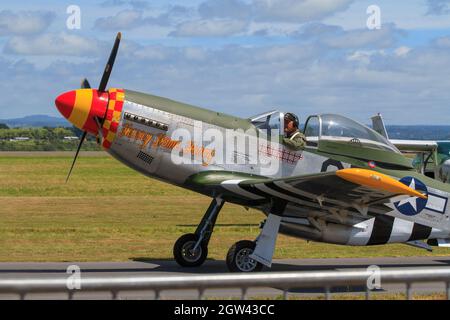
[(86, 108)]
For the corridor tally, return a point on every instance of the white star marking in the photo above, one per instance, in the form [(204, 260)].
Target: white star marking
[(411, 200)]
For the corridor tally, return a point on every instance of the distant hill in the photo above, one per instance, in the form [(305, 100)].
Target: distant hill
[(36, 121)]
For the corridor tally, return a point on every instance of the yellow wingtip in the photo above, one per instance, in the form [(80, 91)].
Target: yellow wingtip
[(378, 181)]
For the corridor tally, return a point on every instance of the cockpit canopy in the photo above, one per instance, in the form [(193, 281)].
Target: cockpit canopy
[(269, 120), (339, 128), (328, 127)]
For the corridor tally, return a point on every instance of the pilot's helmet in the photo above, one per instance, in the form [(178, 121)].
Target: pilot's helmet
[(291, 117)]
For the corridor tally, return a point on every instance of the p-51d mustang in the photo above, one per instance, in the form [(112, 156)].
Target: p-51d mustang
[(349, 185)]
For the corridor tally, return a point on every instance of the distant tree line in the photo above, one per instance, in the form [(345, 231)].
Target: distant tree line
[(43, 139), (53, 139)]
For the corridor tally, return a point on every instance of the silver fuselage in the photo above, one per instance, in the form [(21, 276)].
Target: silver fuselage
[(156, 161)]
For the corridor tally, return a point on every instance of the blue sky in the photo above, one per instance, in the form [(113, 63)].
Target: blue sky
[(241, 57)]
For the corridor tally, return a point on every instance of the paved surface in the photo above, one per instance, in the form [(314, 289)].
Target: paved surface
[(169, 267)]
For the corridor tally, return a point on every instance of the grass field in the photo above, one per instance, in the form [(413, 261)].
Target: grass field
[(108, 212)]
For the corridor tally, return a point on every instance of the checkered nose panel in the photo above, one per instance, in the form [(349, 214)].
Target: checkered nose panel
[(113, 115)]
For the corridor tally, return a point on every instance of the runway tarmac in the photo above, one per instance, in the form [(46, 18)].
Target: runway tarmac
[(169, 267)]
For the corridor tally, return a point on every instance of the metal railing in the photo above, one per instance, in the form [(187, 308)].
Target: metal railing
[(327, 280)]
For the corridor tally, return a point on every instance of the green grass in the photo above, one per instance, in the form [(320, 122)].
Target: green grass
[(354, 296), (108, 212)]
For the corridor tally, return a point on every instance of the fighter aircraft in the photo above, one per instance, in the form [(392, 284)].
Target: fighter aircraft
[(349, 185), (432, 156)]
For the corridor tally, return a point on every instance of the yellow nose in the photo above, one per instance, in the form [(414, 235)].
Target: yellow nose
[(81, 107)]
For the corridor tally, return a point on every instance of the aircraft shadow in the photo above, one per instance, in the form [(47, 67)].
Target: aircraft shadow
[(222, 225)]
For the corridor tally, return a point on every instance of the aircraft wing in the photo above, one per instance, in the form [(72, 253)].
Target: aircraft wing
[(415, 145), (346, 188), (356, 191)]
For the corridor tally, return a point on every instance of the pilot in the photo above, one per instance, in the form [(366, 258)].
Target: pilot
[(293, 138)]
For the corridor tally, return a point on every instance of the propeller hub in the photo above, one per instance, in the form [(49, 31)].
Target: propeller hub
[(81, 107)]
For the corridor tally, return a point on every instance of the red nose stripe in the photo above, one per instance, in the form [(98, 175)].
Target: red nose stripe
[(65, 103), (98, 108)]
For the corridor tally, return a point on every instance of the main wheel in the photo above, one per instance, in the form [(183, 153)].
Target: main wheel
[(184, 254), (238, 259)]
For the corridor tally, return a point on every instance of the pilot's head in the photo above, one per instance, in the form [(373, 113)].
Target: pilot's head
[(290, 123)]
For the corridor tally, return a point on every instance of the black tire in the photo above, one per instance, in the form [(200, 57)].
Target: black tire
[(238, 253), (181, 255)]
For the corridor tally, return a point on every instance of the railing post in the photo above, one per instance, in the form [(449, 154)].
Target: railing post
[(285, 294), (447, 289), (201, 292), (408, 291), (327, 293), (244, 293)]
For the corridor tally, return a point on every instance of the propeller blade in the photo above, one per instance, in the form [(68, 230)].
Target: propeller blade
[(99, 123), (85, 84), (104, 81), (110, 64), (76, 154)]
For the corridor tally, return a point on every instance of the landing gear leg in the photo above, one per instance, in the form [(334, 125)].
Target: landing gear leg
[(191, 250), (250, 256)]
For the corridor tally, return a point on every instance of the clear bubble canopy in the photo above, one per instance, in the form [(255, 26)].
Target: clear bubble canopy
[(339, 128)]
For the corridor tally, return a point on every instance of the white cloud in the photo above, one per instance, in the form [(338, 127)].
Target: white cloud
[(402, 51), (24, 22), (135, 4), (323, 68), (210, 28), (304, 78), (52, 44), (236, 9), (298, 10), (362, 57), (150, 53), (193, 53), (338, 38), (438, 7), (125, 19), (362, 38), (135, 18), (443, 42)]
